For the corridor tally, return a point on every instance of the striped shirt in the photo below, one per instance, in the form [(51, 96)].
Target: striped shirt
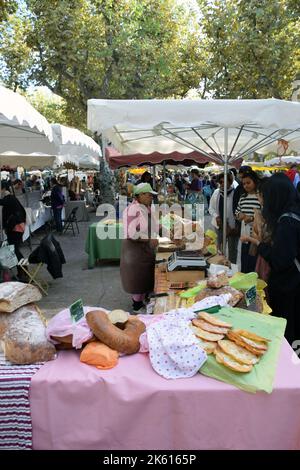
[(247, 204)]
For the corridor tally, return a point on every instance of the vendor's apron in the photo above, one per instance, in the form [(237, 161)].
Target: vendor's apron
[(137, 266)]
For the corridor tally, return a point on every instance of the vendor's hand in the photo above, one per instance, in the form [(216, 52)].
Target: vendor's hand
[(248, 219), (153, 242), (244, 239)]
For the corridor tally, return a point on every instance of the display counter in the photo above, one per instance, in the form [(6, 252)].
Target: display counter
[(76, 406)]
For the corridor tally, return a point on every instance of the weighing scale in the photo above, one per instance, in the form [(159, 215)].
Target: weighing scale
[(186, 260)]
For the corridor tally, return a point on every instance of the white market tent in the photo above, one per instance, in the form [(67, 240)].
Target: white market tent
[(284, 161), (23, 130), (87, 162), (224, 130), (73, 146), (29, 161)]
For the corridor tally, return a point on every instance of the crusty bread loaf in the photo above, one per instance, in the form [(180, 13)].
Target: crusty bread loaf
[(14, 295), (25, 340), (118, 318), (207, 317), (4, 322), (218, 280), (205, 335), (252, 336), (236, 295), (244, 342), (238, 353), (229, 362), (124, 341), (209, 327)]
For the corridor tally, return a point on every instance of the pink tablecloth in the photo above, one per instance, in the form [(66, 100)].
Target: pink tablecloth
[(76, 406)]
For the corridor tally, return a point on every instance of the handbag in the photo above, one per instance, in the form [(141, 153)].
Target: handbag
[(8, 257)]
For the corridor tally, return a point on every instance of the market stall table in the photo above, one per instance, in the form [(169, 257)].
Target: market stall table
[(76, 406), (82, 214), (107, 249)]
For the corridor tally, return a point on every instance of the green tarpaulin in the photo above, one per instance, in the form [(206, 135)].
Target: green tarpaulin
[(262, 375)]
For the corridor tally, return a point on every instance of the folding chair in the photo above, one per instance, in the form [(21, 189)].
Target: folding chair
[(70, 221), (32, 275)]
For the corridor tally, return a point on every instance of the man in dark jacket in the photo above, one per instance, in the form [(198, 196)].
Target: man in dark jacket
[(57, 204)]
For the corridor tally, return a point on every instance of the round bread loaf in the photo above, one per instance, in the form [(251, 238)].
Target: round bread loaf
[(124, 341)]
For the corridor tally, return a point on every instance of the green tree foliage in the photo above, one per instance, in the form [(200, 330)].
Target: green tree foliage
[(253, 47), (134, 49), (16, 58), (51, 106), (83, 49), (6, 8)]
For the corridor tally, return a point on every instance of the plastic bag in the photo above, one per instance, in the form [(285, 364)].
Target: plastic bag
[(8, 257), (242, 281)]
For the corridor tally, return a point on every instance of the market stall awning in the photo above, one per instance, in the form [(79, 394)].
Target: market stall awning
[(73, 145), (116, 160), (282, 161), (88, 162), (28, 161), (22, 128), (166, 126)]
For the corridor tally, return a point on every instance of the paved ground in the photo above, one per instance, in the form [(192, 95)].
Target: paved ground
[(100, 286)]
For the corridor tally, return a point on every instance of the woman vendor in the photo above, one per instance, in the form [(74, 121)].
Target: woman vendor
[(138, 247), (281, 211)]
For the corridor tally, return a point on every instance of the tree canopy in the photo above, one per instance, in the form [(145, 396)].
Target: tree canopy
[(134, 49)]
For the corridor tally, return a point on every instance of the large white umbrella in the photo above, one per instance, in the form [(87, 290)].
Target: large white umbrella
[(224, 130), (23, 130), (73, 146)]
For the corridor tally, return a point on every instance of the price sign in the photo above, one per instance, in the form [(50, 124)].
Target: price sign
[(250, 296), (76, 311)]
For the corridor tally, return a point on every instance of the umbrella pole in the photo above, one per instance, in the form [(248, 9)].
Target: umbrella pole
[(225, 189), (153, 176), (165, 183)]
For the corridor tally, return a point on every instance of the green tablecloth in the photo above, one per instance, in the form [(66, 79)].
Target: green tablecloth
[(262, 375), (108, 249)]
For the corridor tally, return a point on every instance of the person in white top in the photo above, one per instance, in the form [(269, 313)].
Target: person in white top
[(216, 211)]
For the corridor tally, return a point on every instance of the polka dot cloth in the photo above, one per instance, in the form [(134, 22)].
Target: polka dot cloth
[(173, 349)]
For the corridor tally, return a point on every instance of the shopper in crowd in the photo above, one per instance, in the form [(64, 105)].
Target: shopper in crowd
[(207, 192), (293, 175), (179, 186), (18, 187), (245, 214), (260, 233), (281, 211), (236, 181), (146, 178), (13, 222), (57, 204), (138, 248), (216, 210), (196, 183)]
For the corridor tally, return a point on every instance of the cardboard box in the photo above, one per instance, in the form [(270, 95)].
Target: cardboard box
[(218, 259), (185, 276), (164, 255)]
